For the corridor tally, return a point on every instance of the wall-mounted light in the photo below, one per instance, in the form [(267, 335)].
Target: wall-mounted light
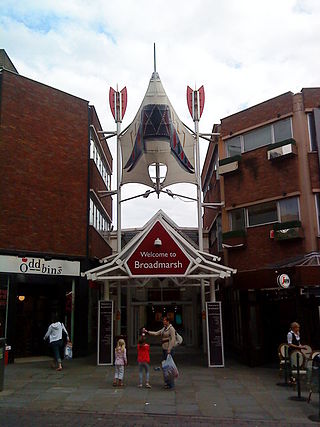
[(21, 297), (157, 242)]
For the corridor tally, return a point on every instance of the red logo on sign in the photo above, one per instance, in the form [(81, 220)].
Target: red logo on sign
[(158, 255)]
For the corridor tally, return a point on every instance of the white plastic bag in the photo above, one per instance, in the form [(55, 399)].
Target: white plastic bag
[(68, 351), (169, 368)]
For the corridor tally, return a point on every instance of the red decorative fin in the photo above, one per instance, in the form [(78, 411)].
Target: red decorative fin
[(124, 97), (112, 95), (189, 99), (201, 99)]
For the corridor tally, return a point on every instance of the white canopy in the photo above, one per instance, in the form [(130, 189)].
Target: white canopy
[(202, 264)]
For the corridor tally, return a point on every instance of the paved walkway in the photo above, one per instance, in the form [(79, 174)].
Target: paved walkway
[(234, 395)]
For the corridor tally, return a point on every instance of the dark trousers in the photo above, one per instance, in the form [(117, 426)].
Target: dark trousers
[(57, 347)]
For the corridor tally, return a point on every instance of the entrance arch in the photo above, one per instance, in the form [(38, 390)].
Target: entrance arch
[(160, 269)]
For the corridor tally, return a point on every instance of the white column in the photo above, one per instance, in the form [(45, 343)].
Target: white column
[(212, 290)]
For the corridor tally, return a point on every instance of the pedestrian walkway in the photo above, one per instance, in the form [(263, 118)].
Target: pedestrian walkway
[(232, 395)]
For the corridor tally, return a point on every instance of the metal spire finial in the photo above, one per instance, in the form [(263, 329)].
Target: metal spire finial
[(154, 58)]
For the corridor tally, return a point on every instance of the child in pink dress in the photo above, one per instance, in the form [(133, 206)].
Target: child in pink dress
[(120, 361)]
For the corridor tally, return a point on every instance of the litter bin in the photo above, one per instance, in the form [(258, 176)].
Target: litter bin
[(2, 353)]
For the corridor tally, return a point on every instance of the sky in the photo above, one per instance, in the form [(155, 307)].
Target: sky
[(243, 52)]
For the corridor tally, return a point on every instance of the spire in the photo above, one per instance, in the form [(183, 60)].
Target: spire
[(155, 75)]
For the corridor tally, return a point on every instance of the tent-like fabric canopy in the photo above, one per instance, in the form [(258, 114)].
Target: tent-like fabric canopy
[(164, 232), (157, 136)]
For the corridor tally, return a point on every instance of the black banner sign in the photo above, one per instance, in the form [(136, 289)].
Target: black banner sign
[(214, 335), (105, 333)]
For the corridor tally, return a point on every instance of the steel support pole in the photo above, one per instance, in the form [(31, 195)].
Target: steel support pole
[(118, 320), (200, 235)]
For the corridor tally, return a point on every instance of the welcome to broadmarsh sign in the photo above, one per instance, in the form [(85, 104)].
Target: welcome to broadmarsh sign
[(166, 259)]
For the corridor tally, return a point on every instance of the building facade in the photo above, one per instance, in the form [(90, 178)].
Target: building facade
[(264, 167), (54, 222)]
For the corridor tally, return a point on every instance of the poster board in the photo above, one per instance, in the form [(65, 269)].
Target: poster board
[(214, 335), (105, 333)]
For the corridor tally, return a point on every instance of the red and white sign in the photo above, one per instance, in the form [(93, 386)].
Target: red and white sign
[(158, 255)]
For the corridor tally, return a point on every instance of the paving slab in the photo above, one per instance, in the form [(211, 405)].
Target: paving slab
[(236, 392)]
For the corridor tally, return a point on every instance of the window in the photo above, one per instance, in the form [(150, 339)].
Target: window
[(100, 163), (98, 218), (284, 210), (215, 235), (282, 130), (289, 209), (318, 211), (233, 146), (257, 138), (262, 214), (312, 132), (265, 135), (237, 219)]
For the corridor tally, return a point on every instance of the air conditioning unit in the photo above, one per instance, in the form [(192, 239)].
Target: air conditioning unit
[(283, 150)]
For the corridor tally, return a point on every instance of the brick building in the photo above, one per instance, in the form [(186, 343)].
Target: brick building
[(265, 168), (53, 222)]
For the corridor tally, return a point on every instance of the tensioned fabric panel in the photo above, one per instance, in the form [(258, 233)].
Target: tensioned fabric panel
[(157, 135)]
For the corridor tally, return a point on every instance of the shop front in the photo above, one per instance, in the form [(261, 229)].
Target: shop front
[(32, 291)]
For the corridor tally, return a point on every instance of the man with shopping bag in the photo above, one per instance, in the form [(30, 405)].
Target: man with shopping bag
[(168, 341)]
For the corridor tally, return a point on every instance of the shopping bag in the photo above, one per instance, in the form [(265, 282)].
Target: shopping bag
[(68, 351), (169, 368)]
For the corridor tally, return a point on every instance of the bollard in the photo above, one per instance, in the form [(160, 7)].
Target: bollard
[(298, 398), (316, 417), (286, 365)]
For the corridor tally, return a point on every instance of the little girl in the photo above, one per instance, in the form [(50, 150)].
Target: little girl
[(143, 360), (120, 360)]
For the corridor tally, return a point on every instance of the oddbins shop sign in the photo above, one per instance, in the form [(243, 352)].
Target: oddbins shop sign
[(158, 255)]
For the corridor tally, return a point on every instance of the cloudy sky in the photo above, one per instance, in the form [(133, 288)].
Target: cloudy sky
[(243, 52)]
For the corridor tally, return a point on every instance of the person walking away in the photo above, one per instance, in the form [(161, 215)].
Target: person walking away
[(143, 361), (120, 361), (168, 340), (54, 333)]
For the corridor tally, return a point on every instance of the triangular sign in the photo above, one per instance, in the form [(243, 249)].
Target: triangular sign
[(158, 255)]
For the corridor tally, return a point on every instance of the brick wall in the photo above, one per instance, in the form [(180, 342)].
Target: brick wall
[(258, 178), (314, 169), (98, 247), (311, 97), (261, 251), (272, 109), (43, 168)]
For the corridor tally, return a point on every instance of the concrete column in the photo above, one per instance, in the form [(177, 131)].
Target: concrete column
[(307, 202)]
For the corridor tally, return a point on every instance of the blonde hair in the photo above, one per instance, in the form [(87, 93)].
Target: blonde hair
[(121, 344), (294, 325)]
